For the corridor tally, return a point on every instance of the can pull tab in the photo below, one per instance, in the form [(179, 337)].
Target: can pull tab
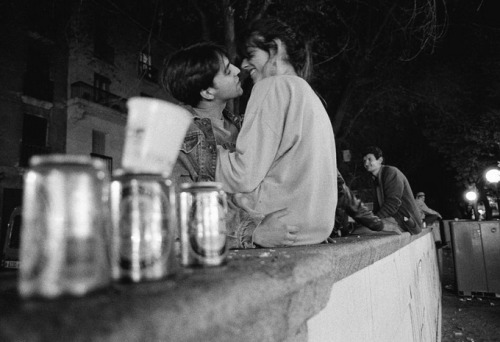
[(494, 230)]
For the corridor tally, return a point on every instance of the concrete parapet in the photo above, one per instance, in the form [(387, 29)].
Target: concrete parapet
[(281, 294)]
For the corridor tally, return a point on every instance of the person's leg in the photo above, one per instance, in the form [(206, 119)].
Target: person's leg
[(390, 227)]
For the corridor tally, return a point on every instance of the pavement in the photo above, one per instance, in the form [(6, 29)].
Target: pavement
[(467, 319)]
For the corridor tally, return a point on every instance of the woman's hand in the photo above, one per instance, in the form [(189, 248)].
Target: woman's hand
[(272, 232)]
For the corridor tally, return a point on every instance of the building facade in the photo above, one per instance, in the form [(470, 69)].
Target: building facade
[(67, 68)]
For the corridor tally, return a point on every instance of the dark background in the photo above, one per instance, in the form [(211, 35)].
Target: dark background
[(419, 79)]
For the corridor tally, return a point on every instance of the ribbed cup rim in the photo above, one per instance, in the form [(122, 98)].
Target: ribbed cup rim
[(201, 186), (59, 158)]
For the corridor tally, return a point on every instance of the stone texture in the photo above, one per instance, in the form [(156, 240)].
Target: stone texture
[(259, 295)]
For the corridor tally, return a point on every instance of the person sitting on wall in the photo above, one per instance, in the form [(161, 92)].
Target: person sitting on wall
[(202, 79), (285, 156), (428, 215), (394, 202), (351, 206)]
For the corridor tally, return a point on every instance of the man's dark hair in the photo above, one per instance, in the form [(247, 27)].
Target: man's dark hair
[(377, 152), (190, 70)]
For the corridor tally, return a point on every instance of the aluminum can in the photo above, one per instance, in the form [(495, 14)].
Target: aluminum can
[(144, 220), (64, 247), (202, 213)]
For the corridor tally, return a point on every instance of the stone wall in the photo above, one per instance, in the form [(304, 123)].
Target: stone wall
[(398, 298), (366, 288)]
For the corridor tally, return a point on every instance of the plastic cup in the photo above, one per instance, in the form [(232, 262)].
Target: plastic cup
[(154, 134)]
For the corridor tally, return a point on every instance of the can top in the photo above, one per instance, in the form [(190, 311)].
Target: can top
[(201, 186), (68, 159), (125, 174)]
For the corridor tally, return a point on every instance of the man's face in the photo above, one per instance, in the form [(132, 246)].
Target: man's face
[(372, 164), (226, 83)]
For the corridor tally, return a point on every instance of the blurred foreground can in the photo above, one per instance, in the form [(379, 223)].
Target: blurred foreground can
[(64, 238), (203, 209), (143, 212)]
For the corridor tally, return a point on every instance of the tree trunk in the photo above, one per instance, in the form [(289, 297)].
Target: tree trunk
[(229, 37)]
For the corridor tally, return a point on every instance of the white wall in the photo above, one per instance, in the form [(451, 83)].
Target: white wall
[(397, 299)]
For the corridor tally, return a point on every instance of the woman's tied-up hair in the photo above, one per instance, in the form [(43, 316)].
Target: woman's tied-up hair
[(262, 33)]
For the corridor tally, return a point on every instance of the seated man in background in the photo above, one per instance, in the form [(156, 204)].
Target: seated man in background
[(394, 202), (202, 79), (428, 215)]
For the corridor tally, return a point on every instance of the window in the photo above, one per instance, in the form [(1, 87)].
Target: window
[(34, 138), (146, 68), (98, 142), (101, 89), (37, 83), (42, 17), (102, 49), (99, 149)]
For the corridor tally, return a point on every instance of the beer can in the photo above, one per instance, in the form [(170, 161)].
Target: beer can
[(202, 211), (144, 220), (64, 233)]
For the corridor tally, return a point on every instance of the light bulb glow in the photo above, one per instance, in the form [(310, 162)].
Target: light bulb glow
[(493, 176), (471, 195)]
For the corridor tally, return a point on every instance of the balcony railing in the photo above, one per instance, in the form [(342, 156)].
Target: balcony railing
[(106, 159), (87, 92)]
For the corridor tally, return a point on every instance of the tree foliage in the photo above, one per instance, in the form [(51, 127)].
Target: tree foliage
[(413, 76)]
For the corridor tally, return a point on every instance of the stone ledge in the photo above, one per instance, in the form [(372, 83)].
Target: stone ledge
[(260, 295)]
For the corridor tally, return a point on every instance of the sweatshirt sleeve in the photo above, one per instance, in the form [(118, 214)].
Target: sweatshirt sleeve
[(429, 211), (393, 192), (257, 145)]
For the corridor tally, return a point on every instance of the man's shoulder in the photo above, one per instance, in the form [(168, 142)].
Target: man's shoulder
[(388, 169), (392, 172)]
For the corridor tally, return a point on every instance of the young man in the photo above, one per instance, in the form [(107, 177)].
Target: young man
[(202, 78), (394, 202)]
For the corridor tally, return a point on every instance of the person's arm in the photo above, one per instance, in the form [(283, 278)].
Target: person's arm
[(258, 141), (256, 230), (393, 187), (186, 164), (429, 211)]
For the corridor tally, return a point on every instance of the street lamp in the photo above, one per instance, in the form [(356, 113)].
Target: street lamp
[(471, 197), (493, 176)]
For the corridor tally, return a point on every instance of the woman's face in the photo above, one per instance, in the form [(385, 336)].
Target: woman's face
[(258, 64)]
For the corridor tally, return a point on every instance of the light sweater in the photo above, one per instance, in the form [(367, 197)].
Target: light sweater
[(285, 157)]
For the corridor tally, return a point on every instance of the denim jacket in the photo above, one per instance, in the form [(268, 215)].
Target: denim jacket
[(198, 155), (197, 161)]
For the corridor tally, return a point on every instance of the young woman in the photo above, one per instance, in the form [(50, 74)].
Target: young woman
[(285, 158)]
